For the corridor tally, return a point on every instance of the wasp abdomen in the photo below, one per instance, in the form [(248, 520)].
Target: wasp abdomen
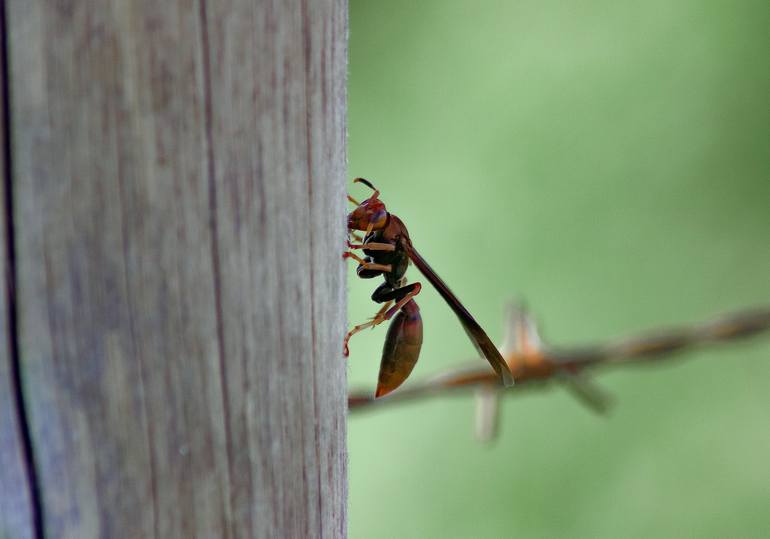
[(401, 350)]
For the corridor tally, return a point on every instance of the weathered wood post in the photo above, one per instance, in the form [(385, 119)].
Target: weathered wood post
[(171, 326)]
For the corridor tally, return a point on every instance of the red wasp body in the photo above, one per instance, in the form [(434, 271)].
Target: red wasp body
[(388, 250)]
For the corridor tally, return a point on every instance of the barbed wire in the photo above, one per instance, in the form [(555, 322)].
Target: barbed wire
[(533, 364)]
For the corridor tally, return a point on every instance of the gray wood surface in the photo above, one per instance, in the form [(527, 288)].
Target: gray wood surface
[(179, 199), (15, 503)]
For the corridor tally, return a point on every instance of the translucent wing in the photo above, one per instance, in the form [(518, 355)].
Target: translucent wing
[(479, 338)]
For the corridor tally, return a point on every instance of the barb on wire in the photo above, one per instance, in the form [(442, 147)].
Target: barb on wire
[(534, 364)]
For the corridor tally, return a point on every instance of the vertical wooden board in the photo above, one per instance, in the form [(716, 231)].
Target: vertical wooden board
[(182, 361), (278, 74), (117, 333), (15, 502)]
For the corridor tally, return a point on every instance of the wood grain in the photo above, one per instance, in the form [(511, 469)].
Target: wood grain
[(179, 199)]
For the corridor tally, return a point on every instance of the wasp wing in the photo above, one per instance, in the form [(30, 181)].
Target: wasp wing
[(479, 338)]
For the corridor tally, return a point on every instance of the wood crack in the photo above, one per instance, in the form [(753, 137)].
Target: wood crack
[(21, 409), (208, 127)]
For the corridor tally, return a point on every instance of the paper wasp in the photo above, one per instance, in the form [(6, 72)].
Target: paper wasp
[(387, 251)]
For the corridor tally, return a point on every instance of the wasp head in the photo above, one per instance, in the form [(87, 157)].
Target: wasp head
[(369, 214)]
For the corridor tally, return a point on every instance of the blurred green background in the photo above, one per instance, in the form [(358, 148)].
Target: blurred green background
[(610, 164)]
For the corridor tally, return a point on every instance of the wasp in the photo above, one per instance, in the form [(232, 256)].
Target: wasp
[(387, 252)]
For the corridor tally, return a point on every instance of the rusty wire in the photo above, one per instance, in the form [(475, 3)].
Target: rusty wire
[(534, 364)]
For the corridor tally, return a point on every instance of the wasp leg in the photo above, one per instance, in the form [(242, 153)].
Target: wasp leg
[(384, 294), (356, 329), (364, 273), (402, 296), (383, 309), (356, 236), (373, 246), (387, 268)]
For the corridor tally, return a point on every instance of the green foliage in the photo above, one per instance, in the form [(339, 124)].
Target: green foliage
[(608, 162)]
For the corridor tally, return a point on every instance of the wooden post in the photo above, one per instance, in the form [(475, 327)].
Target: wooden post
[(177, 215)]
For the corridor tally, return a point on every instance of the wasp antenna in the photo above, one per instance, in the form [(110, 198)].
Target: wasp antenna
[(365, 182)]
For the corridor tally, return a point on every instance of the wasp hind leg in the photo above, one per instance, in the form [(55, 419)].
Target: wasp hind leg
[(385, 294)]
